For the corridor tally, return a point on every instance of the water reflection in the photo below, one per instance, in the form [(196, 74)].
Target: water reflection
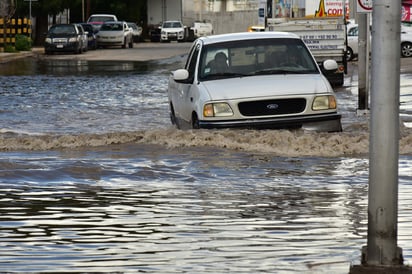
[(140, 208), (31, 66)]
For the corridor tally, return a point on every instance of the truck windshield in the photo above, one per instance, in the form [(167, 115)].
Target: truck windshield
[(255, 57)]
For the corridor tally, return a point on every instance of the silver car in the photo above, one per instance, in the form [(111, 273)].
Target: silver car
[(115, 33)]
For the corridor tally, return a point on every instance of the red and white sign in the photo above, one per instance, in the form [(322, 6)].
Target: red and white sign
[(364, 5), (406, 13)]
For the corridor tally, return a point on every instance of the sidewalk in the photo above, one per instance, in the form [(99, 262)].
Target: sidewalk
[(140, 52), (8, 56)]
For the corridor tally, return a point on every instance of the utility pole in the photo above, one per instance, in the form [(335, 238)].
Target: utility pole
[(382, 254), (382, 246)]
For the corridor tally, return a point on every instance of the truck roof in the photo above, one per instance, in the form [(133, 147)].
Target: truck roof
[(246, 36)]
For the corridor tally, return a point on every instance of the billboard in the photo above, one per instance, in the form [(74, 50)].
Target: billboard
[(321, 8)]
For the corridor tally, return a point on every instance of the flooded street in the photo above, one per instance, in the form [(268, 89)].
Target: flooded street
[(94, 178)]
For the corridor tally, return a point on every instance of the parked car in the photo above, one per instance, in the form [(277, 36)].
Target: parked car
[(91, 35), (201, 29), (172, 31), (136, 31), (83, 33), (406, 41), (353, 50), (154, 33), (115, 33), (64, 38), (252, 80), (97, 20)]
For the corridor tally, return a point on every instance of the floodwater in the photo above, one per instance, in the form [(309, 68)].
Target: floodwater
[(94, 178)]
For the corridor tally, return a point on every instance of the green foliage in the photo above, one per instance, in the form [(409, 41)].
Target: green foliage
[(9, 48), (23, 43)]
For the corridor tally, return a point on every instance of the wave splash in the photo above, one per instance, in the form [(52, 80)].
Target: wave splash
[(351, 142)]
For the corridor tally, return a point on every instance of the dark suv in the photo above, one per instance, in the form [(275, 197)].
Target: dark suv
[(64, 38)]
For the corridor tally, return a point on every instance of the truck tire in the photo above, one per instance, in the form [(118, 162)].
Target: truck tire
[(195, 121)]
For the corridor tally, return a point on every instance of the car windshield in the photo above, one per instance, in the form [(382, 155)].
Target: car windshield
[(172, 25), (255, 57), (62, 29), (112, 27)]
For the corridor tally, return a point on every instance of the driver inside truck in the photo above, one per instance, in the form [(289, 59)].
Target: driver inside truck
[(219, 63)]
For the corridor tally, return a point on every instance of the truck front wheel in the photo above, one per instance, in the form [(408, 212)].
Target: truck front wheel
[(195, 121)]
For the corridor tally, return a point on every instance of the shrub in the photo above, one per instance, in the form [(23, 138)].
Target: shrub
[(9, 48), (23, 43)]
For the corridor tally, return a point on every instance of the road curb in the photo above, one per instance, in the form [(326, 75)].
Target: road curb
[(10, 56)]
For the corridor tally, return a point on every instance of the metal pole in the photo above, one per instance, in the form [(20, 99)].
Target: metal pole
[(367, 51), (382, 249), (363, 62), (31, 22), (200, 10), (82, 10)]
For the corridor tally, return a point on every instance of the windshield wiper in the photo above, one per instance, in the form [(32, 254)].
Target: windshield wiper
[(273, 71), (281, 71), (225, 75)]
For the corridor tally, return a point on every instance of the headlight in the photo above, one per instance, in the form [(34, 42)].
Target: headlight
[(217, 110), (163, 32), (72, 39), (48, 40), (324, 102)]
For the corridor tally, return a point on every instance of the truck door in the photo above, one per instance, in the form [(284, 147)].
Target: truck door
[(189, 89)]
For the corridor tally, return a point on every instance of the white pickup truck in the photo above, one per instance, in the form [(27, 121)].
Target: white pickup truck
[(324, 36), (260, 80), (201, 29)]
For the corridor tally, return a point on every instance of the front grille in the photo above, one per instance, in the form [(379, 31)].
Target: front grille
[(60, 40), (272, 107)]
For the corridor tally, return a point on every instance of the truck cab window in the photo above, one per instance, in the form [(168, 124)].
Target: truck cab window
[(191, 63)]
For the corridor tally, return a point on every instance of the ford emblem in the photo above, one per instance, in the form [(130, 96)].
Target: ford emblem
[(272, 106)]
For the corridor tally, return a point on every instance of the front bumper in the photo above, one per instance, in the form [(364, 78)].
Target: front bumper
[(171, 37), (62, 47), (110, 42), (320, 123)]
